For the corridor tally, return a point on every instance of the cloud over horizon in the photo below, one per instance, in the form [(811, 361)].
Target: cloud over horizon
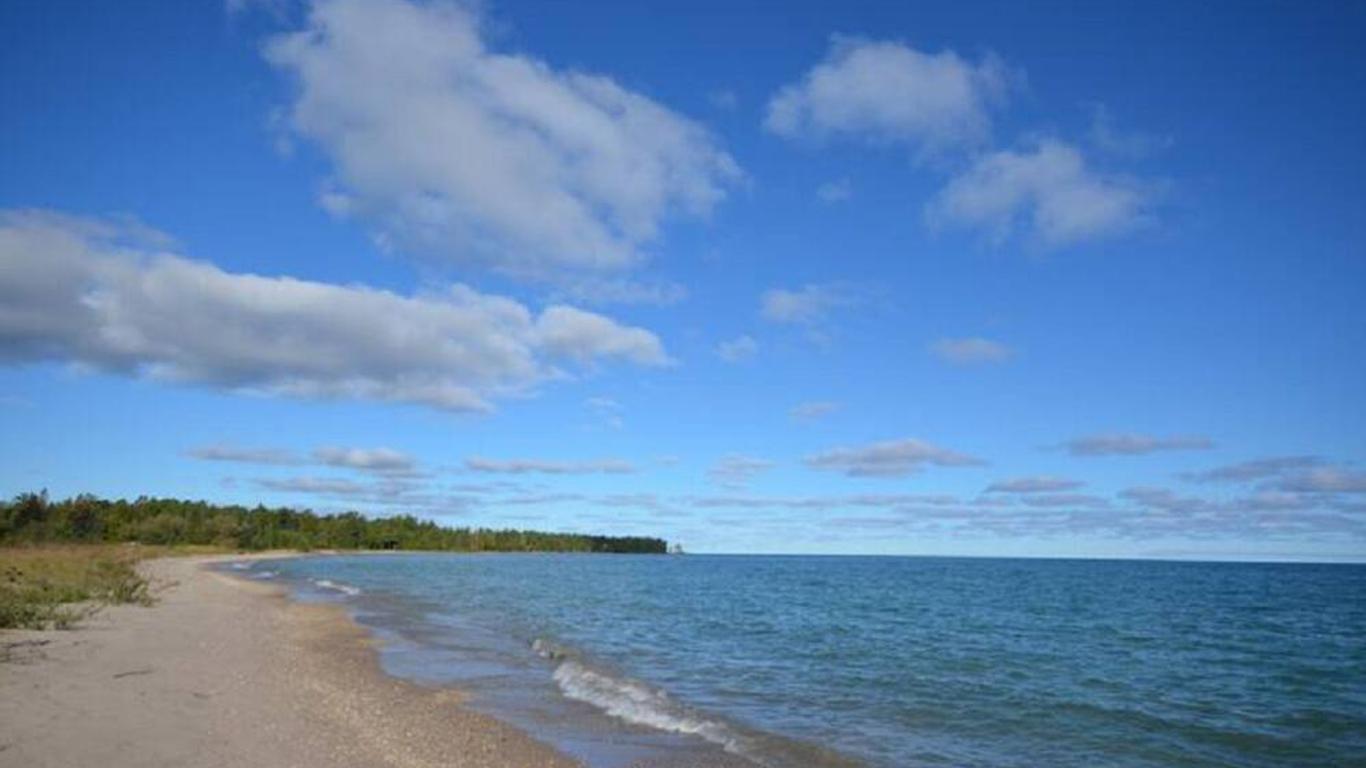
[(889, 458), (736, 471), (550, 467), (1131, 444)]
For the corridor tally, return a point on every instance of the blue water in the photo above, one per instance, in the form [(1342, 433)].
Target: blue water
[(812, 661)]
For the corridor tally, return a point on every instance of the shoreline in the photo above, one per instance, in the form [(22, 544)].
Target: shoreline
[(225, 671)]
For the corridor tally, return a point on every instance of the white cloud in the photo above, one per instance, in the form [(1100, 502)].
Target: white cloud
[(380, 460), (808, 305), (1128, 444), (549, 467), (466, 154), (584, 336), (736, 471), (813, 410), (971, 351), (1035, 484), (1048, 191), (738, 349), (244, 455), (106, 296), (889, 92), (891, 458)]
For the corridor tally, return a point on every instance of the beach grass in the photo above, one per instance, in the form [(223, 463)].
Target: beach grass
[(53, 587)]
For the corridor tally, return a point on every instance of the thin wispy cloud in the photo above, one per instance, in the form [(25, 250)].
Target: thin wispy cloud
[(835, 191), (738, 349), (891, 458), (597, 290), (1165, 500), (1063, 500), (811, 304), (736, 471), (549, 467), (1034, 484), (1326, 480), (971, 351), (380, 460), (1107, 137), (1133, 444), (1251, 471), (608, 411), (814, 410), (229, 453)]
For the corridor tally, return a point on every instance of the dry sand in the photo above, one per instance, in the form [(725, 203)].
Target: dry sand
[(226, 672)]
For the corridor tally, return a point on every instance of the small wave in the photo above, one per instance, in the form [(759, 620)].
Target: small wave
[(264, 575), (241, 565), (631, 700), (345, 589)]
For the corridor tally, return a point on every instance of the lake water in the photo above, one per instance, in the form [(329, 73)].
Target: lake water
[(886, 662)]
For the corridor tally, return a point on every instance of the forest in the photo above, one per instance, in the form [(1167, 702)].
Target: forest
[(32, 518)]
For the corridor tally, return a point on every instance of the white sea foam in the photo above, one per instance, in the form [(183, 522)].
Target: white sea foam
[(631, 700), (240, 565), (264, 575), (345, 589)]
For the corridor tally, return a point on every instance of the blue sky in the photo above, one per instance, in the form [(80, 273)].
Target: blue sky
[(975, 279)]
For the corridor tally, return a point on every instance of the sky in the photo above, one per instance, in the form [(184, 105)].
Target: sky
[(1072, 279)]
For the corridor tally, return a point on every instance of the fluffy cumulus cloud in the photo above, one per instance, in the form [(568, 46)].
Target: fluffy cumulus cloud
[(1129, 444), (890, 92), (109, 296), (891, 458), (1048, 192), (464, 153), (736, 471), (971, 351), (549, 467)]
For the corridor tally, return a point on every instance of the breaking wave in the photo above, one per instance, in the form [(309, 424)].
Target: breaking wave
[(345, 589), (632, 700)]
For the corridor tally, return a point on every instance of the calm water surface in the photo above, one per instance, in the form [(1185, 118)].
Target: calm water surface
[(888, 662)]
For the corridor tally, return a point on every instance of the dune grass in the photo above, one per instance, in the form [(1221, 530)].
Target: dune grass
[(49, 587)]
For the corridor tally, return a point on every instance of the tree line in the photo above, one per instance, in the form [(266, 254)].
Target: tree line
[(33, 518)]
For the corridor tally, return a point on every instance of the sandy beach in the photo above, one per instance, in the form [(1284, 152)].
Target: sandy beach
[(226, 672)]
